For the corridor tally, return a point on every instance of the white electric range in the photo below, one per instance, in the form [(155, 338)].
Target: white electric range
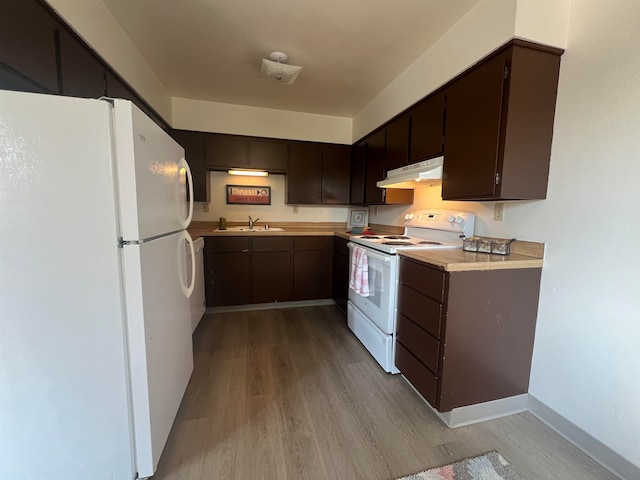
[(371, 312)]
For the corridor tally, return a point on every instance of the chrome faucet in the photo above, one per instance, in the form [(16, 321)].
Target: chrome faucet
[(252, 221)]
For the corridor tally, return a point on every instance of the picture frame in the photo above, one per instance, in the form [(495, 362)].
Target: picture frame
[(358, 217), (248, 195)]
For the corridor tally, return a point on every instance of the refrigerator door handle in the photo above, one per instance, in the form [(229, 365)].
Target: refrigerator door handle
[(189, 290), (187, 170)]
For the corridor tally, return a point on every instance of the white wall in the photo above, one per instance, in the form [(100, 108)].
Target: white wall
[(586, 363), (93, 21), (261, 122), (276, 212)]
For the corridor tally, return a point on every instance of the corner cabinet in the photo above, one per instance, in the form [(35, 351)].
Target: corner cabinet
[(499, 125), (465, 338)]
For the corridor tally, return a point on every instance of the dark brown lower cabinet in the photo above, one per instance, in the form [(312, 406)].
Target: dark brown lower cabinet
[(271, 261), (312, 268), (466, 337), (340, 273), (227, 262), (265, 269)]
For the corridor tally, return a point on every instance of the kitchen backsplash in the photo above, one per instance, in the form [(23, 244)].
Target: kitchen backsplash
[(430, 197), (278, 211)]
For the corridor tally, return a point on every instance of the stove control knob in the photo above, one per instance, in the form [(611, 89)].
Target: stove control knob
[(459, 219), (409, 216), (451, 219)]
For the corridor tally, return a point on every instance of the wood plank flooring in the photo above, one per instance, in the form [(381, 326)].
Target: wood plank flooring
[(292, 394)]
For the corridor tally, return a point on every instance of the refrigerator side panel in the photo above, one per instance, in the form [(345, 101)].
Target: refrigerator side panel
[(152, 180), (158, 318), (64, 402)]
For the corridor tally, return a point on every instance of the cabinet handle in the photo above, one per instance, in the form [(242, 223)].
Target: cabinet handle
[(245, 251)]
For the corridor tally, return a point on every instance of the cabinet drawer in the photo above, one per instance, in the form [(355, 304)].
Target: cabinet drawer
[(420, 343), (425, 280), (422, 310), (271, 244), (226, 244), (420, 377), (311, 243), (340, 246)]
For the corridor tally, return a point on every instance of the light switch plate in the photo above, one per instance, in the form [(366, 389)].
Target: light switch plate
[(498, 212)]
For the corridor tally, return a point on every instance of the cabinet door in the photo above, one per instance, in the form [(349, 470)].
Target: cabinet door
[(312, 268), (472, 132), (340, 273), (226, 151), (272, 156), (304, 180), (374, 170), (427, 129), (27, 48), (193, 144), (336, 167), (398, 143), (271, 260), (358, 158), (83, 75), (227, 271)]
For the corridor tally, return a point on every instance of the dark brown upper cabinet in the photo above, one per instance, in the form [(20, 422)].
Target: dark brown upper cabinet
[(397, 153), (304, 180), (83, 75), (375, 153), (336, 174), (427, 128), (374, 170), (235, 151), (358, 161), (28, 52), (226, 151), (270, 155), (499, 125), (193, 144), (319, 174)]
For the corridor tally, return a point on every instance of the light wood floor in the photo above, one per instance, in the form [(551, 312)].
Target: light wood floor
[(291, 394)]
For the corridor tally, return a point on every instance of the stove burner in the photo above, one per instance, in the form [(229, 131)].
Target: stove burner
[(397, 237), (370, 237), (427, 242), (394, 242)]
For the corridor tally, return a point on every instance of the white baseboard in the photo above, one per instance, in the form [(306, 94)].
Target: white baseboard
[(593, 447), (270, 306)]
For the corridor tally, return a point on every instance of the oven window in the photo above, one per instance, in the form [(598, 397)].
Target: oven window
[(377, 272)]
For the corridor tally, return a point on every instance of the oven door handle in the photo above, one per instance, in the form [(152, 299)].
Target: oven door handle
[(370, 253)]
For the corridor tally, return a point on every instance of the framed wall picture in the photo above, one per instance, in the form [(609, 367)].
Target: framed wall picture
[(248, 195), (358, 217)]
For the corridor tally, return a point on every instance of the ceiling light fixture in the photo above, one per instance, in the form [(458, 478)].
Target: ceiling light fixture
[(275, 69), (248, 173)]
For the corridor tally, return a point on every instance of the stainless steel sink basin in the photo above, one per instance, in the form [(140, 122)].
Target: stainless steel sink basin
[(254, 229)]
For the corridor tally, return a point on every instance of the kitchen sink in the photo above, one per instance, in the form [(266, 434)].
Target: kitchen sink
[(254, 229)]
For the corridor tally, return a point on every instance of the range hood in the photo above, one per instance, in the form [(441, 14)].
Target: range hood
[(422, 174)]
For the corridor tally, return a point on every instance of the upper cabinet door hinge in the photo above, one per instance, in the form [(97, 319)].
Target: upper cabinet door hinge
[(506, 72), (498, 178)]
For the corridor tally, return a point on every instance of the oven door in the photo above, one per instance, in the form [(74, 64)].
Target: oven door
[(380, 305)]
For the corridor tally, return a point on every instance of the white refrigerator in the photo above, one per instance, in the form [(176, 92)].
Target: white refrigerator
[(95, 329)]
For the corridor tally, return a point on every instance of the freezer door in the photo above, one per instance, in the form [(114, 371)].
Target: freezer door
[(152, 176), (160, 350)]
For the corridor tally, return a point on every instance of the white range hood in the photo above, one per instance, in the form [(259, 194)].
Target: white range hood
[(422, 174)]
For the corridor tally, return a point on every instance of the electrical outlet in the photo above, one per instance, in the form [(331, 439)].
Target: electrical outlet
[(205, 207), (295, 209), (498, 212)]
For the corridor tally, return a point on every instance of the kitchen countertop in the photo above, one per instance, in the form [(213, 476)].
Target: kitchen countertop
[(523, 255)]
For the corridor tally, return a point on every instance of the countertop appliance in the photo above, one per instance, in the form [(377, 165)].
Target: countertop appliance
[(372, 317), (95, 342)]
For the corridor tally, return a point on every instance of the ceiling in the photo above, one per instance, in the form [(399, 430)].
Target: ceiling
[(350, 50)]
